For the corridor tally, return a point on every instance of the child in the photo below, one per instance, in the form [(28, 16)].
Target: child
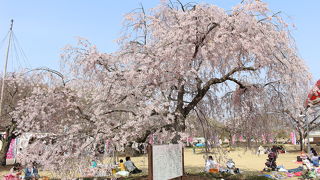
[(121, 165), (122, 171)]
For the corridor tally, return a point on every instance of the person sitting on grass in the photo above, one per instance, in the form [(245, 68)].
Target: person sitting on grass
[(211, 164), (306, 161), (314, 152), (131, 167), (15, 172), (31, 172), (122, 166), (315, 161), (231, 168), (122, 170)]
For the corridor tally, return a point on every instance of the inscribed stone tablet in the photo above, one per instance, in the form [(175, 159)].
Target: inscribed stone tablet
[(167, 161)]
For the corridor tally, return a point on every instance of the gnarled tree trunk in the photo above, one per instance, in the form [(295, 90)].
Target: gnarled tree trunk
[(6, 144), (4, 149)]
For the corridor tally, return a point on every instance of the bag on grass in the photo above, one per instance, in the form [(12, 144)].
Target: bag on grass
[(298, 173), (123, 173), (213, 170)]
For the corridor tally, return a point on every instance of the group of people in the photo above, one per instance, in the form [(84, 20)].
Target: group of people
[(122, 168), (128, 167), (214, 167), (29, 173), (308, 160)]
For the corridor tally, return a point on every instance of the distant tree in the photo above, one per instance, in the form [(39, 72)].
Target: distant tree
[(303, 111), (17, 87)]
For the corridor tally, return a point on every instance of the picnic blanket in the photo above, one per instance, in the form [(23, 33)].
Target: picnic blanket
[(275, 175), (284, 173), (298, 169)]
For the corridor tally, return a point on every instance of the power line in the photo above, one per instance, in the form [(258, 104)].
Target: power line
[(24, 56), (4, 39)]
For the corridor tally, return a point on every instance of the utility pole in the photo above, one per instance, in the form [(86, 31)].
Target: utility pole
[(308, 139), (5, 68)]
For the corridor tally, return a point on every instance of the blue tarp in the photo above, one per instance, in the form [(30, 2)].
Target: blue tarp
[(200, 145)]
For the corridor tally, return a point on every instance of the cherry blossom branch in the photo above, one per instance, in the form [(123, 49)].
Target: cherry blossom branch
[(84, 116), (212, 81), (181, 5), (314, 119), (274, 15), (144, 25), (119, 110), (51, 71), (172, 99), (199, 43), (199, 83), (241, 85)]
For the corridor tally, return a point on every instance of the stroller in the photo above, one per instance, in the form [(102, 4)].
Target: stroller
[(271, 162)]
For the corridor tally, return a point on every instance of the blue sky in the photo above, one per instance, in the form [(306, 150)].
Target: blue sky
[(43, 27)]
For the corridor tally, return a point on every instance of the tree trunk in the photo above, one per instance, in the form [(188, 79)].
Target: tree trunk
[(178, 126), (230, 140), (6, 144), (301, 141), (4, 149), (249, 142), (180, 123)]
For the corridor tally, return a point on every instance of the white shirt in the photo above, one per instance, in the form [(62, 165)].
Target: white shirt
[(210, 164)]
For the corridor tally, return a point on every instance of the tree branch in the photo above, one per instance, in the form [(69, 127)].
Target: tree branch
[(242, 86), (200, 42), (316, 118), (182, 6), (201, 93), (119, 110)]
